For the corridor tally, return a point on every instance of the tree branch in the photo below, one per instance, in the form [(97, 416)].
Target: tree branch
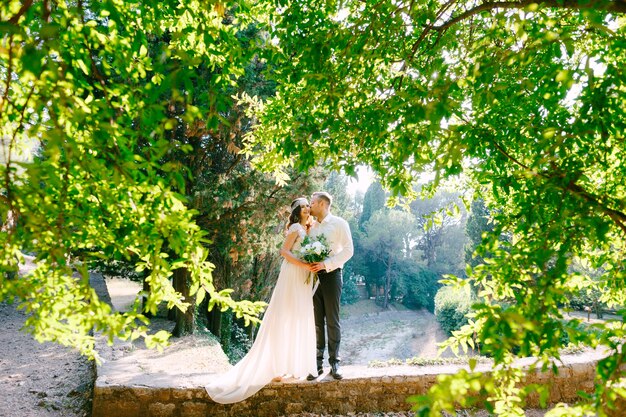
[(94, 67), (8, 150), (425, 32), (25, 6), (7, 87), (617, 216), (45, 16), (617, 6), (509, 156)]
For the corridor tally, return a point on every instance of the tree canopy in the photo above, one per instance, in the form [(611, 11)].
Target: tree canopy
[(526, 99), (79, 79)]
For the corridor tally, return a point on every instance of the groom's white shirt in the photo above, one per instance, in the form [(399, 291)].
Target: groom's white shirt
[(337, 231)]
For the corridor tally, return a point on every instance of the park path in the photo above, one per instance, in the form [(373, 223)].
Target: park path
[(40, 379), (383, 335)]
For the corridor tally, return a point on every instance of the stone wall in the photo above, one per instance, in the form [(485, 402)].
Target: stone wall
[(351, 395), (126, 387)]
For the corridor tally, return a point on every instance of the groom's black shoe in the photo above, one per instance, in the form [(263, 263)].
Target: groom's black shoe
[(312, 377), (334, 371)]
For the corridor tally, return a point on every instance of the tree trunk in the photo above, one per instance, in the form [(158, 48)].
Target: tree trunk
[(251, 329), (214, 322), (598, 308), (227, 328), (221, 280), (171, 314), (146, 290), (8, 225), (430, 251), (184, 320), (387, 285), (433, 238)]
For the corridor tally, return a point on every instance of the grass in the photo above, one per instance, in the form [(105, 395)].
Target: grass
[(419, 361), (365, 307), (572, 349), (457, 360)]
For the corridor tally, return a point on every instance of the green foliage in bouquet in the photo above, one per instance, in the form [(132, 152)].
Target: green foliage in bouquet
[(314, 249)]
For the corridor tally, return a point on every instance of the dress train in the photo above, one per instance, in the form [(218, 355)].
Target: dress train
[(285, 344)]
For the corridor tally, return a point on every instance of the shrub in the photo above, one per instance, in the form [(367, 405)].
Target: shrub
[(240, 343), (419, 286), (350, 291), (452, 306), (587, 298)]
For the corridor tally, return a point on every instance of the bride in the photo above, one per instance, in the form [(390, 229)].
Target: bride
[(285, 344)]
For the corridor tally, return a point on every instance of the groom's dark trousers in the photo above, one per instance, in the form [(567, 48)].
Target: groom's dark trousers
[(326, 309)]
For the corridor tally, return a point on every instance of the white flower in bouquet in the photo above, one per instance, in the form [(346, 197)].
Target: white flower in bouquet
[(318, 248), (314, 249)]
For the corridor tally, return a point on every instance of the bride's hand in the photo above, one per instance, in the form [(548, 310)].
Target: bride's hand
[(317, 266)]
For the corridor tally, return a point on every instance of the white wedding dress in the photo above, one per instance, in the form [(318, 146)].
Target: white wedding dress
[(285, 344)]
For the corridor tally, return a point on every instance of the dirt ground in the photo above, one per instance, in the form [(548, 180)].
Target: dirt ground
[(370, 333), (40, 380)]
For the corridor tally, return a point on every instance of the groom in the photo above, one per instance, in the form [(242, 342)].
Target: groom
[(327, 296)]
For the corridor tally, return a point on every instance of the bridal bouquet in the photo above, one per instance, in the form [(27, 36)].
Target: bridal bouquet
[(314, 249)]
